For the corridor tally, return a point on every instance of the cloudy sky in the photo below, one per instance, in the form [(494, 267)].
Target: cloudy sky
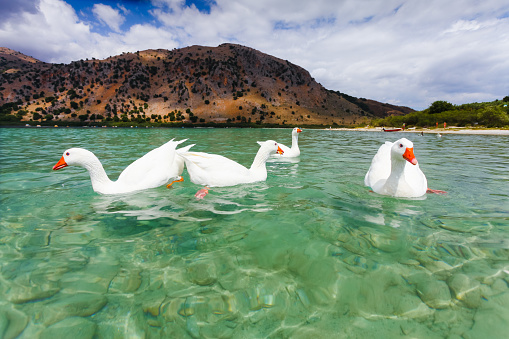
[(404, 52)]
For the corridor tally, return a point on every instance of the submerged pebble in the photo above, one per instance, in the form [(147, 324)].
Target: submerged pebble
[(466, 290), (12, 322), (81, 305), (435, 293), (73, 327), (126, 281), (202, 273)]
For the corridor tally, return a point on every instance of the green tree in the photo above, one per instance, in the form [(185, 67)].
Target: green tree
[(440, 106), (493, 117), (21, 113)]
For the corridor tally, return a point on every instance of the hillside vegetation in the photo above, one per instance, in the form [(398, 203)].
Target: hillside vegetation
[(197, 85), (486, 114)]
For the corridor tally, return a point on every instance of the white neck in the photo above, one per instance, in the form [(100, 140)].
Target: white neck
[(295, 141), (98, 175), (397, 171), (260, 160)]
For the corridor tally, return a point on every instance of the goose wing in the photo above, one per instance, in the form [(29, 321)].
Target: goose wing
[(214, 170), (152, 169), (380, 168)]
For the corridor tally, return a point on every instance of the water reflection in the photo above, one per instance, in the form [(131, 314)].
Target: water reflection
[(146, 205), (294, 160), (180, 204), (391, 211)]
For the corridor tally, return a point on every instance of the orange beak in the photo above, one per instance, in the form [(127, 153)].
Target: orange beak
[(409, 156), (279, 151), (60, 164), (299, 130)]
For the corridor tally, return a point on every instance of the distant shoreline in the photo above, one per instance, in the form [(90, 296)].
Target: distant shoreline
[(449, 130)]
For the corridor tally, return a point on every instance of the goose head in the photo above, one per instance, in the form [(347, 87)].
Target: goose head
[(75, 156), (403, 149), (271, 146), (296, 131)]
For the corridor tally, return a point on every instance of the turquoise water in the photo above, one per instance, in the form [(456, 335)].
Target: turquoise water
[(311, 252)]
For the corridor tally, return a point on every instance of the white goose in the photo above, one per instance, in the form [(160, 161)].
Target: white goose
[(294, 151), (177, 166), (394, 171), (151, 170), (214, 170)]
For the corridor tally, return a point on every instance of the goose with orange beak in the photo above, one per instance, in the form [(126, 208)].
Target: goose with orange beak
[(212, 170), (395, 171), (291, 152), (152, 170)]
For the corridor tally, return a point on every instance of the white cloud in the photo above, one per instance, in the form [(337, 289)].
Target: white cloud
[(463, 25), (405, 52), (141, 37), (124, 9), (109, 16), (52, 33)]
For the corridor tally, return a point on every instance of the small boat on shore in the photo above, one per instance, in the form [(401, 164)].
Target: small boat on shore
[(391, 129)]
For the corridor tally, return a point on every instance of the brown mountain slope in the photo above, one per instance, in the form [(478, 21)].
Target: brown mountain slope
[(228, 83), (12, 61)]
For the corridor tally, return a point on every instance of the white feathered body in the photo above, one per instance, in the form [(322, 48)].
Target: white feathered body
[(390, 174), (217, 171), (152, 170), (290, 152)]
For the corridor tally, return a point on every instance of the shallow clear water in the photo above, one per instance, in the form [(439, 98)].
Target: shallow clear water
[(311, 252)]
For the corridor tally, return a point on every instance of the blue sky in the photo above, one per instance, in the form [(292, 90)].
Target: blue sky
[(404, 52)]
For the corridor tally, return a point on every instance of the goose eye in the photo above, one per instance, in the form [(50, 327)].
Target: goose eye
[(67, 153), (400, 145)]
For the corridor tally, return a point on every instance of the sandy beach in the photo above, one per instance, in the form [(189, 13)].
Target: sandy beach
[(449, 130)]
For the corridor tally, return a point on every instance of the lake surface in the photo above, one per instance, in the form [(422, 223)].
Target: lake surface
[(310, 253)]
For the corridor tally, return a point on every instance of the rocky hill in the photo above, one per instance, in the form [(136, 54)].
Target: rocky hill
[(197, 84)]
